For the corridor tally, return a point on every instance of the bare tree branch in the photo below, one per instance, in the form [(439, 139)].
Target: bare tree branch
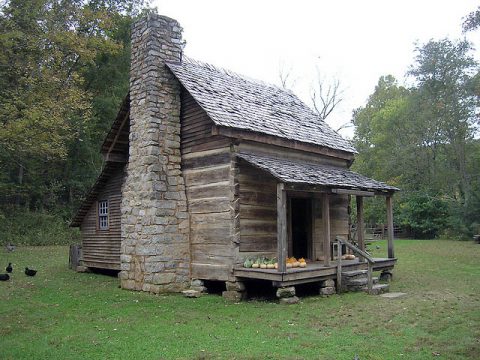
[(326, 96), (345, 125), (285, 76)]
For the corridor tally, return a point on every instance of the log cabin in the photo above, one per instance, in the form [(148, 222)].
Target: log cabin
[(205, 168)]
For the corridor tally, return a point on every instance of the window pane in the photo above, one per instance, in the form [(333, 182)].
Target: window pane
[(103, 222), (103, 214), (103, 207)]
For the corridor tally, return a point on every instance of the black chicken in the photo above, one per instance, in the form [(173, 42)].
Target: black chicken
[(9, 268), (4, 277), (30, 272)]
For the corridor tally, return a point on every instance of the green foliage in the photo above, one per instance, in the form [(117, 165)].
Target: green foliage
[(422, 140), (60, 314), (472, 20), (425, 216), (64, 70), (24, 227)]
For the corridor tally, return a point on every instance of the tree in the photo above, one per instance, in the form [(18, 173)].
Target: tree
[(422, 139), (287, 82), (325, 96), (380, 132), (472, 21), (50, 51), (445, 74)]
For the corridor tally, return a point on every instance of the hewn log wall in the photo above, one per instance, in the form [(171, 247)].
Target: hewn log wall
[(258, 211), (208, 193), (197, 128), (206, 167), (101, 248), (290, 154)]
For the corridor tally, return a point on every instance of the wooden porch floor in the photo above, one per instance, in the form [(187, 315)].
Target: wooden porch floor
[(315, 271)]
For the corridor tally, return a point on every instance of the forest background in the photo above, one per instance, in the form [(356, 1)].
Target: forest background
[(64, 70)]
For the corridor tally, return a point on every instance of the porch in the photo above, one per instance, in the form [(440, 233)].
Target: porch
[(314, 272), (305, 193)]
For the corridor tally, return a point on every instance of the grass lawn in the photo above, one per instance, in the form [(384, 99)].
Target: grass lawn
[(60, 314)]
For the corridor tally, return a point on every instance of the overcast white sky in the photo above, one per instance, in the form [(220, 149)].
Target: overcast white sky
[(350, 40)]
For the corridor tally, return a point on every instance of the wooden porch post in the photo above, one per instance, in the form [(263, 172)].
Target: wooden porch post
[(360, 226), (282, 227), (326, 228), (390, 226)]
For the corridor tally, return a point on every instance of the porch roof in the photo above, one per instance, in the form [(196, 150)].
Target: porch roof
[(303, 173)]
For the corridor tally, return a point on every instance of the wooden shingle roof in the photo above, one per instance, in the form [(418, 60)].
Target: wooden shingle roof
[(302, 173), (234, 101)]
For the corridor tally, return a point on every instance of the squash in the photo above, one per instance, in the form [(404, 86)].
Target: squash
[(303, 264), (257, 263), (248, 263), (296, 264)]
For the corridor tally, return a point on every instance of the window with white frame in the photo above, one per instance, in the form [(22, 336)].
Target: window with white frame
[(103, 214)]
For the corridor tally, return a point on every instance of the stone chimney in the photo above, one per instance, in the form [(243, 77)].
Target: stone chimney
[(155, 227)]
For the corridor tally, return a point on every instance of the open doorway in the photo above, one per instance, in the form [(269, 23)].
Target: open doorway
[(300, 228)]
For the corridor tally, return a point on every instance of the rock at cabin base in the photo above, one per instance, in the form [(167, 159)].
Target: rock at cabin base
[(82, 269), (386, 276), (191, 293), (235, 286), (327, 283), (286, 292), (326, 291), (198, 285), (197, 282), (233, 296), (201, 289), (289, 300)]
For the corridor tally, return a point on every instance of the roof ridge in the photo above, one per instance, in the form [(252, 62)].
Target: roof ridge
[(189, 60)]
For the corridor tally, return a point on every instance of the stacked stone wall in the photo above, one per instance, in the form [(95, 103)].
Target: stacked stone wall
[(155, 225)]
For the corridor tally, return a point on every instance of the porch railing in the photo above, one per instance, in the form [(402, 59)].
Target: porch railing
[(358, 251)]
